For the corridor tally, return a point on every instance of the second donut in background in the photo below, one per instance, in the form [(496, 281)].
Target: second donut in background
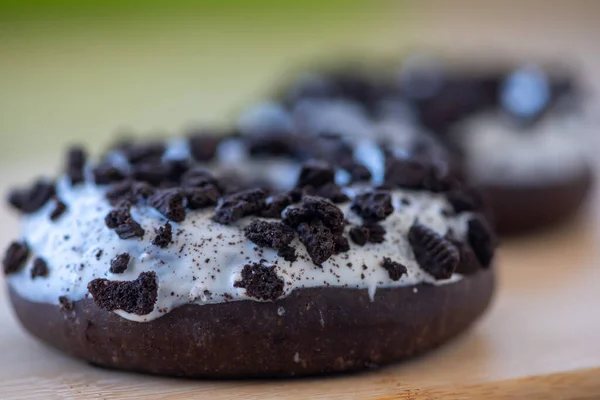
[(519, 133)]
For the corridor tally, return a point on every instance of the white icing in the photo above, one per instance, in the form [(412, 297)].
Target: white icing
[(205, 259), (280, 172), (526, 91), (265, 117), (118, 160), (371, 156), (177, 149), (342, 177), (232, 151), (315, 116), (497, 151), (399, 134)]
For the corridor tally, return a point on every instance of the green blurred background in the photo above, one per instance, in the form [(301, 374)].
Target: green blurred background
[(83, 70)]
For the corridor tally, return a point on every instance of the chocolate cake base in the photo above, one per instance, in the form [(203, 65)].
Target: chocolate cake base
[(522, 209), (312, 331)]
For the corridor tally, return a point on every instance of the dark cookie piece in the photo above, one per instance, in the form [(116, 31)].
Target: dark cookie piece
[(274, 235), (76, 157), (359, 235), (169, 202), (154, 173), (274, 144), (341, 244), (118, 215), (358, 172), (440, 179), (406, 173), (435, 254), (15, 257), (105, 174), (198, 177), (279, 202), (164, 236), (261, 282), (140, 191), (276, 205), (296, 215), (203, 146), (296, 194), (468, 263), (119, 264), (119, 192), (384, 186), (137, 297), (315, 173), (121, 221), (332, 148), (240, 204), (482, 240), (394, 269), (417, 174), (458, 98), (464, 200), (200, 197), (357, 87), (176, 169), (376, 232), (40, 268), (319, 241), (31, 199), (316, 208), (129, 190), (320, 225), (330, 191), (142, 152), (59, 209), (130, 229), (65, 303), (288, 253), (317, 179), (374, 205)]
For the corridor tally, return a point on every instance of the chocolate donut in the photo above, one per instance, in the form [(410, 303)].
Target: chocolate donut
[(518, 133), (529, 150), (260, 253)]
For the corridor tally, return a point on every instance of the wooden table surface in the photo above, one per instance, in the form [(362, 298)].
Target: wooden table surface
[(540, 339)]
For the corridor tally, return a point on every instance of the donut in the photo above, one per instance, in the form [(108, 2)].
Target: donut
[(533, 177), (519, 133), (255, 252), (524, 137)]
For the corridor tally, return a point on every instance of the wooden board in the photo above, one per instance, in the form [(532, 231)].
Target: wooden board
[(540, 339)]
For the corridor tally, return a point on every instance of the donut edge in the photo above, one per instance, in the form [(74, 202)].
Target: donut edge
[(520, 209), (312, 331)]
